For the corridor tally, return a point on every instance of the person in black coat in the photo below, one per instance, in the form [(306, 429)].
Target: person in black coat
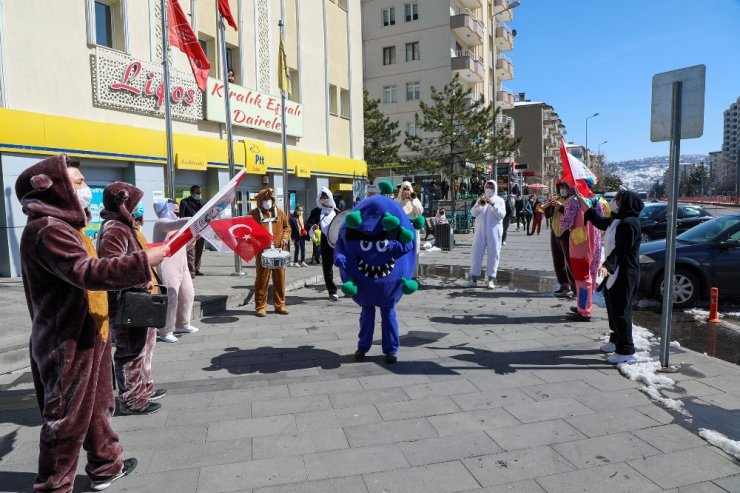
[(510, 212), (299, 235), (189, 207), (519, 212), (322, 216), (621, 271)]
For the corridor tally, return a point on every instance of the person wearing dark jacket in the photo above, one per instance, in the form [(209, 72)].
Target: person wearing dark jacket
[(322, 216), (189, 206), (621, 271), (510, 213), (519, 211), (299, 235)]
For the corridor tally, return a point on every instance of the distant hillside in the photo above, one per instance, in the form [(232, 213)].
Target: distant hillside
[(640, 174)]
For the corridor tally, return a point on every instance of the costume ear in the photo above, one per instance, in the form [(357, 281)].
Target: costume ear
[(390, 221), (353, 219), (41, 182), (385, 187)]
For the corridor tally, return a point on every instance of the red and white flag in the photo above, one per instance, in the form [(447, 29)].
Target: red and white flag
[(513, 171), (223, 7), (210, 211), (181, 36), (575, 173), (243, 235)]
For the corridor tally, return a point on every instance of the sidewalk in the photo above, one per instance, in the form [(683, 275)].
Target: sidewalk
[(494, 391)]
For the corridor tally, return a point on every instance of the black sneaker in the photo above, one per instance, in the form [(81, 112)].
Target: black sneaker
[(99, 484), (359, 355), (158, 394), (574, 309), (333, 297), (390, 359), (577, 317), (561, 292), (150, 408)]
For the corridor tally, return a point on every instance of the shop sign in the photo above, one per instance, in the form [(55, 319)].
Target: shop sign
[(195, 162), (256, 159), (303, 171), (252, 109), (96, 205), (125, 83)]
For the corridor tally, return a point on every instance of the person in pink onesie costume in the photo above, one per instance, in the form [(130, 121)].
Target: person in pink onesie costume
[(174, 273)]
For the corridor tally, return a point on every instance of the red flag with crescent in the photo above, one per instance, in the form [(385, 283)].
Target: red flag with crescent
[(244, 235)]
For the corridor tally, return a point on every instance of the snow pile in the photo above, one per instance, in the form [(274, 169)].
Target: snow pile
[(717, 439)]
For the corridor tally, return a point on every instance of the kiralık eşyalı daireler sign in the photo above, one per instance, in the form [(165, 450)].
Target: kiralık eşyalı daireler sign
[(252, 109)]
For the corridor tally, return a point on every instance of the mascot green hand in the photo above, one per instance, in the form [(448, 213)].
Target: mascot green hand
[(349, 288)]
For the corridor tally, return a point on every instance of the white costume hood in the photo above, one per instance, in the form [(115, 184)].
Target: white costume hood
[(328, 194)]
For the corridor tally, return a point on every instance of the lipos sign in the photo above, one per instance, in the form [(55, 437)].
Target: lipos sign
[(252, 109)]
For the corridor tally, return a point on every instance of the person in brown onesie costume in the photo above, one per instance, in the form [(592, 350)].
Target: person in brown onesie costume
[(70, 349), (120, 235)]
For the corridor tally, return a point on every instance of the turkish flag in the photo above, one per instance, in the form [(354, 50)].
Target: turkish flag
[(244, 235), (181, 36), (575, 173), (223, 7)]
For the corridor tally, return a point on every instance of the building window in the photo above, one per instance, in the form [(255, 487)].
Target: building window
[(104, 24), (412, 51), (413, 91), (333, 99), (342, 4), (295, 86), (389, 94), (344, 103), (413, 129), (412, 12), (389, 17), (389, 55)]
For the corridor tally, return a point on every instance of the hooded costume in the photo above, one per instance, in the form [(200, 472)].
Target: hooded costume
[(489, 229), (322, 216), (65, 286), (375, 256), (174, 270), (119, 235), (622, 249), (275, 221), (411, 207)]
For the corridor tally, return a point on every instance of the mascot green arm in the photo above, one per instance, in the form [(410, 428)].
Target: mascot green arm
[(410, 286), (349, 288)]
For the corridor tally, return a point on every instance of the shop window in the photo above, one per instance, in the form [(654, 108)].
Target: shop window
[(389, 16), (344, 103), (333, 99), (412, 51), (413, 91), (412, 12), (389, 55), (389, 94)]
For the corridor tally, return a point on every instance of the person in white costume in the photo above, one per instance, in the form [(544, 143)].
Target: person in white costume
[(411, 205), (489, 212)]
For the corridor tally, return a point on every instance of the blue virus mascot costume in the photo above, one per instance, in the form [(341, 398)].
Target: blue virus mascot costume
[(375, 255)]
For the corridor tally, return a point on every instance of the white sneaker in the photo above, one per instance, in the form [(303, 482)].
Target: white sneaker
[(168, 338), (304, 264), (609, 347), (503, 243), (186, 330), (617, 358), (491, 284)]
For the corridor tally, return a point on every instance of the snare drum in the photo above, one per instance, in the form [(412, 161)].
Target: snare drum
[(275, 259)]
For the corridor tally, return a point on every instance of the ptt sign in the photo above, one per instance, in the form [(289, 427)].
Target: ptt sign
[(256, 162)]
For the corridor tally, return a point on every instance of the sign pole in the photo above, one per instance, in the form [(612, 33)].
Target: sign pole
[(229, 129), (170, 170), (284, 135), (670, 254)]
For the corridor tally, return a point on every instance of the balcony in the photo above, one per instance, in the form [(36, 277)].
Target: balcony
[(468, 65), (504, 39), (504, 68), (502, 12), (505, 99), (471, 4), (501, 124), (467, 27)]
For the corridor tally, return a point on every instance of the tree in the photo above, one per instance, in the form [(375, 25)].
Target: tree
[(698, 180), (611, 183), (381, 134)]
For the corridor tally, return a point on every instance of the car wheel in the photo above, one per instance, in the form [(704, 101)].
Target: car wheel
[(644, 237), (686, 288)]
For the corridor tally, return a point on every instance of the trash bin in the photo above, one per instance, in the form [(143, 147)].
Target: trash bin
[(443, 236)]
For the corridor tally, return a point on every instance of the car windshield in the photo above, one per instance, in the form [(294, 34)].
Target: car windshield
[(651, 212), (709, 230)]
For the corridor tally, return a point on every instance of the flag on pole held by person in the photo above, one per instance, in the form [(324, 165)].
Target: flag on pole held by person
[(283, 74), (181, 36), (210, 211), (513, 171), (225, 10), (575, 173), (245, 236)]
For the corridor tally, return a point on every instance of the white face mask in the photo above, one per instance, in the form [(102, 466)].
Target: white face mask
[(488, 192), (325, 202), (613, 205), (84, 195), (267, 204), (564, 192)]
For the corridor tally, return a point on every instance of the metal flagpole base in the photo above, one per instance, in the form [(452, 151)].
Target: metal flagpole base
[(238, 274), (670, 369)]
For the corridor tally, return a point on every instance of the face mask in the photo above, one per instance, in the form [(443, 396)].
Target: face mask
[(613, 205), (196, 196), (267, 204), (325, 202), (84, 196), (139, 211), (564, 192), (488, 192)]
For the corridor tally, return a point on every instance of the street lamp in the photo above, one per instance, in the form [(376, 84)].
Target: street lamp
[(588, 154), (605, 142), (511, 6)]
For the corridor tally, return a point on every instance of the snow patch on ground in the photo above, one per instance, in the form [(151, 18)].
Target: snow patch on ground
[(717, 439)]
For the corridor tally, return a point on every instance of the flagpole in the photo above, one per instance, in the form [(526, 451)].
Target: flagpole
[(229, 129), (170, 171), (286, 205)]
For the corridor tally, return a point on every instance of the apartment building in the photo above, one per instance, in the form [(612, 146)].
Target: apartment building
[(540, 128), (85, 78), (410, 47), (731, 147)]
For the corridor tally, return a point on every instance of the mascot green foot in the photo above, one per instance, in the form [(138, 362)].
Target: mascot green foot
[(410, 286), (349, 288)]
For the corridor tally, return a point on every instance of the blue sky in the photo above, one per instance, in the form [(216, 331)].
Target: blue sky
[(588, 56)]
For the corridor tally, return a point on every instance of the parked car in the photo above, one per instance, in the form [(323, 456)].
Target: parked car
[(707, 256), (654, 219)]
